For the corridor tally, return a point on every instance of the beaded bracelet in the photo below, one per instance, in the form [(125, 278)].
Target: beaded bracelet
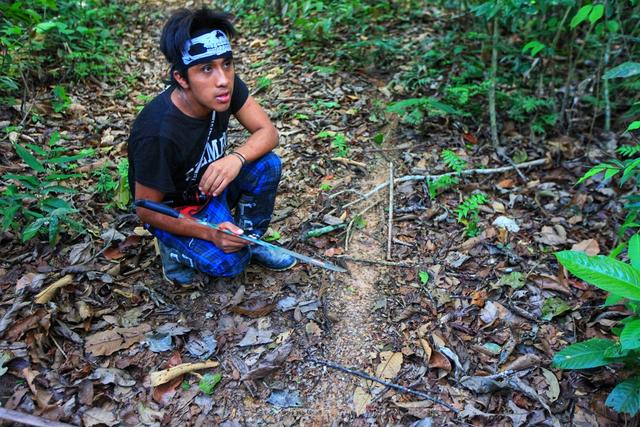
[(240, 156)]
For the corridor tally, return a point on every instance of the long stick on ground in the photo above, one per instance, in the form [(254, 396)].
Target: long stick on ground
[(465, 172), (390, 226), (377, 261), (30, 420), (383, 382)]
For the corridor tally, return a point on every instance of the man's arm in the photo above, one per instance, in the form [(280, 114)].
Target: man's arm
[(185, 227), (264, 138)]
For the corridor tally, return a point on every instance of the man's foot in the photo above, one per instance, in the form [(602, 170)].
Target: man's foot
[(271, 258), (172, 270)]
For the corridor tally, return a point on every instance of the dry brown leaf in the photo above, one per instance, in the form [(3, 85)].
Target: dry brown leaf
[(506, 183), (254, 308), (552, 236), (418, 408), (523, 362), (19, 327), (98, 416), (427, 349), (439, 361), (112, 253), (360, 400), (164, 392), (390, 364), (478, 298), (550, 283), (108, 342), (589, 247)]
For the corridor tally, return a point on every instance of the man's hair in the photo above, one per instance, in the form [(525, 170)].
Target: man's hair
[(185, 24)]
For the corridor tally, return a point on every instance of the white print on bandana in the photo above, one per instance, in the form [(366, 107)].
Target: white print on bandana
[(214, 43), (213, 150)]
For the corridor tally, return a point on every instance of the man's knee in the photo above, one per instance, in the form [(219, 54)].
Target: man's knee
[(270, 164)]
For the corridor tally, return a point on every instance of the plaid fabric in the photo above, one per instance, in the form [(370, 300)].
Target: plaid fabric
[(252, 194)]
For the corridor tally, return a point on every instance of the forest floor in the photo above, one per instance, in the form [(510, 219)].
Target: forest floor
[(472, 322)]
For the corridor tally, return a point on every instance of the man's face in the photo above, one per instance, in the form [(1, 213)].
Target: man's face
[(211, 84)]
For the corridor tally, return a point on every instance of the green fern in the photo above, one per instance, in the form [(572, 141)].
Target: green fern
[(629, 150), (454, 161), (468, 213), (340, 144), (470, 206), (442, 183)]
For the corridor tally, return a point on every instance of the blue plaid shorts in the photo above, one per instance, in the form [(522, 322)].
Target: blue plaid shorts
[(252, 194)]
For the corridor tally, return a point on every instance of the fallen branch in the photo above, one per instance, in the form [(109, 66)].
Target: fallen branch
[(166, 375), (30, 420), (431, 177), (383, 382), (45, 295), (346, 161), (376, 261)]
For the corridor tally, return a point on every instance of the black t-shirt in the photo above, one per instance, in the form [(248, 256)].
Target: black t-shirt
[(169, 151)]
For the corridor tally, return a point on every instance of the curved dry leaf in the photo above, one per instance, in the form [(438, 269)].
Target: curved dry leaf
[(439, 361), (164, 392), (589, 247), (424, 344), (523, 362), (360, 400), (554, 387), (390, 365), (98, 416), (254, 308), (108, 342)]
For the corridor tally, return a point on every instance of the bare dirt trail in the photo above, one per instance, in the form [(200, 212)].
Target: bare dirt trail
[(352, 338)]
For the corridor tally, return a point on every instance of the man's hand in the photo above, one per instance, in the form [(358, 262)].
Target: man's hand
[(219, 174), (225, 241)]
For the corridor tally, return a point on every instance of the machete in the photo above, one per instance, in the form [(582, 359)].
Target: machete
[(166, 210)]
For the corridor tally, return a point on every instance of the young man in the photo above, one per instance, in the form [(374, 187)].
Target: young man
[(177, 155)]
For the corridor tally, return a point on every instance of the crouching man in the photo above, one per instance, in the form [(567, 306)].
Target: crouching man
[(178, 155)]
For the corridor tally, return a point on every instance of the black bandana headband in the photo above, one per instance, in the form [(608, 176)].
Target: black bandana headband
[(205, 48)]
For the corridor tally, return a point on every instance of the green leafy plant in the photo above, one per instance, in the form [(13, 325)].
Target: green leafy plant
[(453, 161), (60, 100), (209, 382), (622, 280), (263, 83), (414, 110), (37, 201), (338, 142), (441, 184), (324, 105), (468, 213), (61, 40), (629, 150), (424, 277), (272, 235), (114, 188)]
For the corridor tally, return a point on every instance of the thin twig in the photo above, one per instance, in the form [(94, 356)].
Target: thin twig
[(30, 420), (346, 161), (390, 224), (385, 383), (376, 261), (359, 214), (431, 177)]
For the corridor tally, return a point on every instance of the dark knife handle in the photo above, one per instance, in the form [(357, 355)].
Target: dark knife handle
[(157, 207)]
